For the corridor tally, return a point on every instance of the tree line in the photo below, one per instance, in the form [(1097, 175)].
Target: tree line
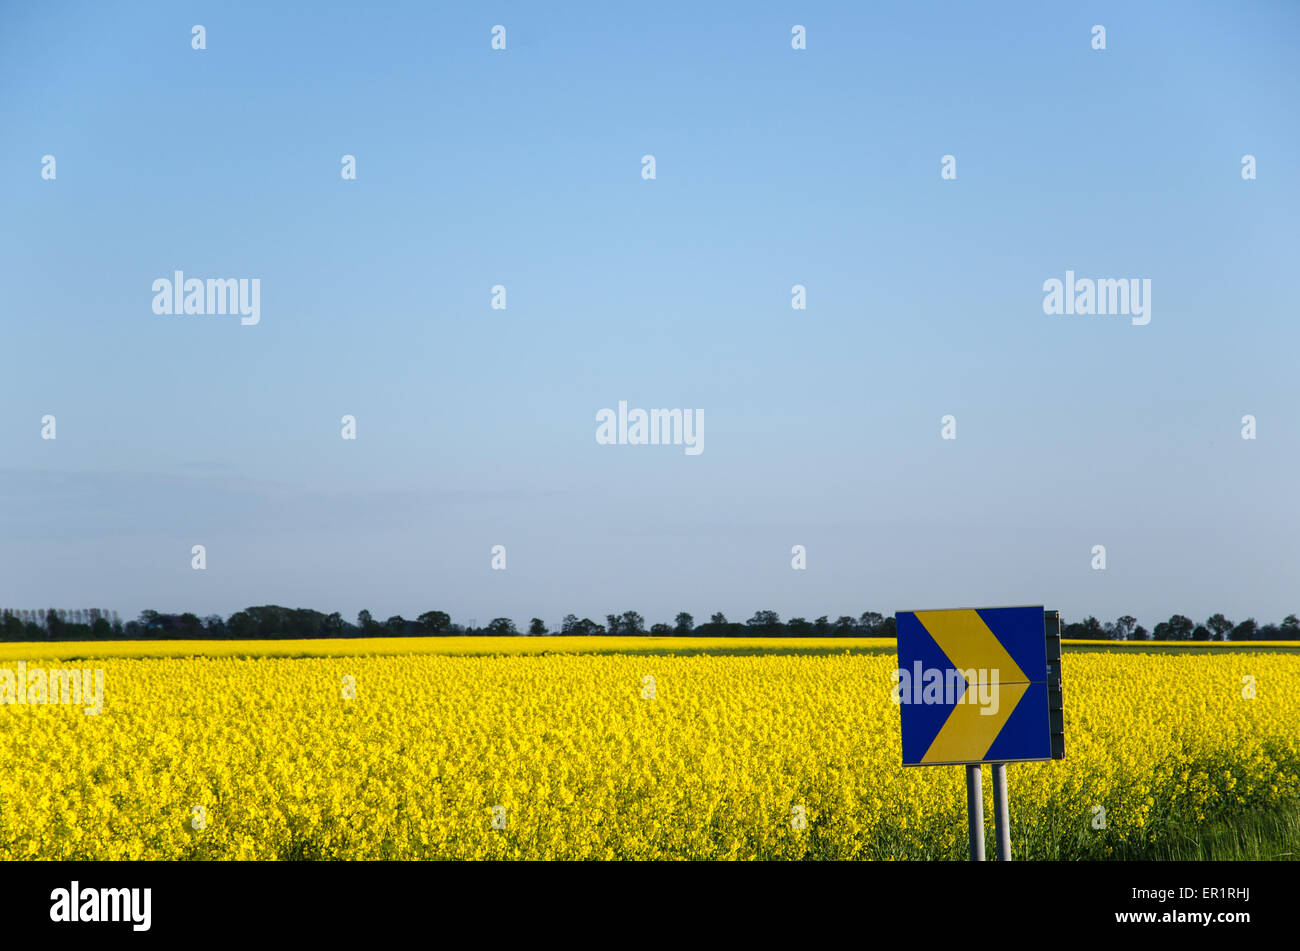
[(275, 621)]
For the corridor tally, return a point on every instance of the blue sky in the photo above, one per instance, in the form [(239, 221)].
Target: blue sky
[(775, 167)]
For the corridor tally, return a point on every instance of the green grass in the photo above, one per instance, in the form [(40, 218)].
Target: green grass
[(1180, 647), (1264, 835), (454, 645)]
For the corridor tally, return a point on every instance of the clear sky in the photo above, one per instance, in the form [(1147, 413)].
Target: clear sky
[(774, 167)]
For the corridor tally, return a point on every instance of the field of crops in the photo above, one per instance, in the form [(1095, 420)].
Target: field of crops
[(536, 752)]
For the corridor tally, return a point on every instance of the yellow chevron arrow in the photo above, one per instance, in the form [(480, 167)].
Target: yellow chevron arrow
[(967, 641), (972, 648), (967, 734)]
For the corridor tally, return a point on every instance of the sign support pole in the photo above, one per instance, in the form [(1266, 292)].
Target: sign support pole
[(975, 811), (1001, 818)]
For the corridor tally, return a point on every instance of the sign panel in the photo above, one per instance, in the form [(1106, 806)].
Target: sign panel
[(972, 686)]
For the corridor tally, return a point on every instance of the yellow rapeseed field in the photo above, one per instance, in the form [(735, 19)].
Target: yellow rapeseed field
[(609, 755)]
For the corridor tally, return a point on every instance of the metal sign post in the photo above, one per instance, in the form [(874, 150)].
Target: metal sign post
[(1001, 820), (975, 811)]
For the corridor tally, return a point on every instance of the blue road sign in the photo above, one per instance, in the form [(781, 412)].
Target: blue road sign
[(972, 686)]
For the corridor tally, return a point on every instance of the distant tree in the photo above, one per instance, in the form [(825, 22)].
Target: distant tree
[(1181, 628), (870, 623), (241, 626), (272, 621), (434, 622), (1245, 631), (719, 626), (264, 621), (1220, 625), (716, 626), (14, 628)]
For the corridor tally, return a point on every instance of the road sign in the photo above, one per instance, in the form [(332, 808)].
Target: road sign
[(973, 686)]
